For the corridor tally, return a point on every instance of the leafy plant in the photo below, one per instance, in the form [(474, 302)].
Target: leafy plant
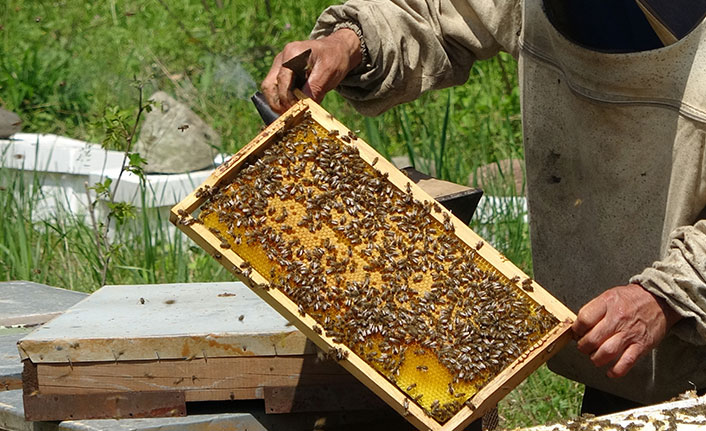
[(120, 132)]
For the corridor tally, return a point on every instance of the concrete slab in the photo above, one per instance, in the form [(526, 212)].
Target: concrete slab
[(10, 364), (28, 303), (23, 306)]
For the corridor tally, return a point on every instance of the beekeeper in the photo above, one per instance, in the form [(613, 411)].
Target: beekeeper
[(615, 147)]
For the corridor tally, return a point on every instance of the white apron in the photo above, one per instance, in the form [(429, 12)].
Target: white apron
[(614, 147)]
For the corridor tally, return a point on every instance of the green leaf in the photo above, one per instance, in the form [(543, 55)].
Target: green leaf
[(121, 211), (102, 189), (136, 164), (136, 160)]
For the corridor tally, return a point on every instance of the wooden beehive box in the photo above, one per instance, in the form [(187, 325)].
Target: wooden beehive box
[(409, 299), (145, 350)]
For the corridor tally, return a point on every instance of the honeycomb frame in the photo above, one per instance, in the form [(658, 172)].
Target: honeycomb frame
[(486, 397)]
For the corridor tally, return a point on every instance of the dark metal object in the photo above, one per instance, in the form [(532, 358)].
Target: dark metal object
[(462, 202), (299, 64), (266, 113), (463, 205)]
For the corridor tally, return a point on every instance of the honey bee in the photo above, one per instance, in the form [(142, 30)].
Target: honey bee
[(527, 285)]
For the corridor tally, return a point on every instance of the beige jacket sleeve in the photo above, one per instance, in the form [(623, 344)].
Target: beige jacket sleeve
[(412, 46), (680, 278)]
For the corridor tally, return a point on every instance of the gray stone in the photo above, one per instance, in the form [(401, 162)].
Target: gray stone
[(10, 123), (173, 139)]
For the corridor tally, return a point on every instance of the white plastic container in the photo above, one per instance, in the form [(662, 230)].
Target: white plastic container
[(66, 168)]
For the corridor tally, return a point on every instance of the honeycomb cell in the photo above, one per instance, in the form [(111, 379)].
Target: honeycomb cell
[(374, 268)]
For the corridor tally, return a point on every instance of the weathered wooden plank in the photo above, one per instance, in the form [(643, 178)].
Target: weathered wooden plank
[(23, 305), (484, 399), (8, 383), (199, 379), (45, 407), (39, 406), (171, 321), (230, 415)]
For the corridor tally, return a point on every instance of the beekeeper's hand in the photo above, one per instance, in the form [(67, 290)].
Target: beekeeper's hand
[(332, 57), (621, 325)]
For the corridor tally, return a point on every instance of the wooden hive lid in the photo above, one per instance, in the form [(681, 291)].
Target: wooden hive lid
[(167, 321)]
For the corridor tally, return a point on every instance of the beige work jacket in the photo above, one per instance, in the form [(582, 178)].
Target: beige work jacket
[(614, 148)]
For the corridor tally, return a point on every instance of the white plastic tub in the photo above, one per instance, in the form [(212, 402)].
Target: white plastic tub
[(64, 168)]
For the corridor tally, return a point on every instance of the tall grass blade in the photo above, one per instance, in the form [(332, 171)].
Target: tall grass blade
[(374, 137), (440, 167), (407, 134)]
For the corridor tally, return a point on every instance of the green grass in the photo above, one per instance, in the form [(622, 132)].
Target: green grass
[(66, 65), (543, 398), (61, 250)]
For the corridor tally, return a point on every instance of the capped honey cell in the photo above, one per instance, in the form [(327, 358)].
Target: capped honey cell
[(379, 271)]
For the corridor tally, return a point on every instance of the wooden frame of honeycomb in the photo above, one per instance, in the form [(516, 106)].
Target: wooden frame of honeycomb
[(370, 268)]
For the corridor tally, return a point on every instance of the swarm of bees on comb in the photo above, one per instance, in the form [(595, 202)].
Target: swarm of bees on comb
[(380, 271)]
